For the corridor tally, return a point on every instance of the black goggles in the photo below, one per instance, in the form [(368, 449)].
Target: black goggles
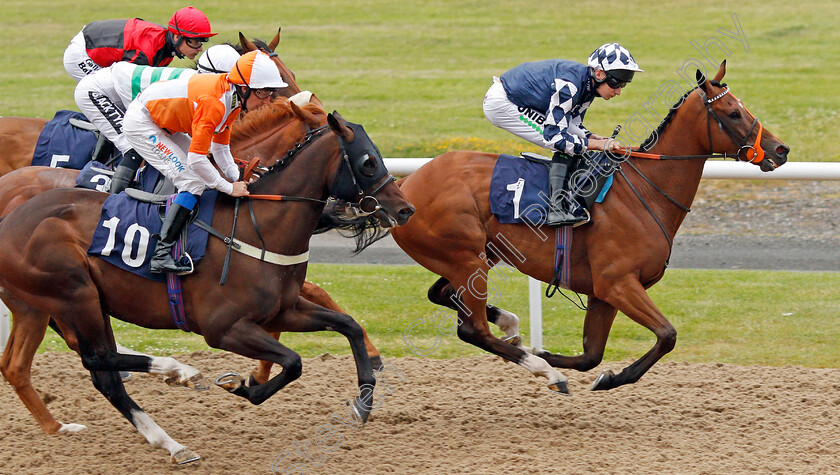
[(195, 43), (619, 78)]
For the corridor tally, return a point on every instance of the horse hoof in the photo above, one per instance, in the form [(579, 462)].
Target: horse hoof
[(196, 382), (515, 340), (70, 428), (603, 381), (561, 387), (361, 411), (183, 456), (230, 381), (376, 362)]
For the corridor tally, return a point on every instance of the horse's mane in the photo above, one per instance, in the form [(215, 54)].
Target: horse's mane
[(654, 136), (267, 118)]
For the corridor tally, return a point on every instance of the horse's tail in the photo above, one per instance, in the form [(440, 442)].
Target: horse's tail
[(364, 229)]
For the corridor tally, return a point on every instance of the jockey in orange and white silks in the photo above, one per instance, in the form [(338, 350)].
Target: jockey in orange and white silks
[(104, 96), (545, 102), (203, 106), (103, 43)]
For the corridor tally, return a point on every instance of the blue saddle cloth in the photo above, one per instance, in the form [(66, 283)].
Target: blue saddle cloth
[(62, 145), (519, 190), (123, 236)]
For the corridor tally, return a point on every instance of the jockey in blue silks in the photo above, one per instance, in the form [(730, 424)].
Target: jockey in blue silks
[(544, 102)]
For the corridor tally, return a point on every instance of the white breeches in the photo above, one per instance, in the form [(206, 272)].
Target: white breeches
[(165, 152), (520, 121), (97, 98), (76, 60)]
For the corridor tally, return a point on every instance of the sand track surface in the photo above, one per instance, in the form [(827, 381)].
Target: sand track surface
[(469, 415)]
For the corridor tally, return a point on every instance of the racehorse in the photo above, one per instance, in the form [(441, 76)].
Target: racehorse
[(253, 136), (19, 135), (52, 275), (613, 260)]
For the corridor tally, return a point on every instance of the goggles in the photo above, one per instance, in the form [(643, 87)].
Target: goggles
[(195, 43), (618, 78), (264, 93)]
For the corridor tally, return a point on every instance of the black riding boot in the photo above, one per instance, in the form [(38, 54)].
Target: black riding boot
[(173, 223), (564, 210), (124, 174)]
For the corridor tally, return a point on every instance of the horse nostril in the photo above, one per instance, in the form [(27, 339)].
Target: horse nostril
[(782, 150), (407, 212)]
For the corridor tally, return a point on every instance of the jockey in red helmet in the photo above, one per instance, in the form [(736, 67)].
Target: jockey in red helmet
[(103, 43)]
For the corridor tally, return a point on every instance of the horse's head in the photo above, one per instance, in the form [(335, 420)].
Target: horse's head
[(288, 76), (362, 177), (738, 131)]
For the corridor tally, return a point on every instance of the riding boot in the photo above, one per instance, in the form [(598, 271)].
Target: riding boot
[(173, 223), (103, 150), (564, 210), (124, 174)]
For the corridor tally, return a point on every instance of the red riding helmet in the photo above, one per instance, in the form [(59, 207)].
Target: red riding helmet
[(190, 22)]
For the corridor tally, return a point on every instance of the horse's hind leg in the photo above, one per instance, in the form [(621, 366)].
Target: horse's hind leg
[(98, 352), (473, 327), (441, 293), (28, 331)]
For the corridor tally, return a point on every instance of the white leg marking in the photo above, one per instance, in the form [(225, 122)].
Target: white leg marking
[(70, 428), (153, 433), (540, 367), (508, 322), (171, 367)]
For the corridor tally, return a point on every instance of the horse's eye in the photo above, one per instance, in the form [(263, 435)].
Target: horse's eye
[(368, 165), (735, 115)]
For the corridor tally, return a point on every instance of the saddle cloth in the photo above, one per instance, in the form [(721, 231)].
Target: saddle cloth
[(123, 236), (61, 145), (96, 176), (519, 190)]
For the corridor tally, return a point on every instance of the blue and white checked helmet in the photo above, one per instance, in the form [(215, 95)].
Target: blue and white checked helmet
[(612, 56)]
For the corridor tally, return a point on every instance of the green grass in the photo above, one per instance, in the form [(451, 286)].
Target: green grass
[(743, 317), (414, 73)]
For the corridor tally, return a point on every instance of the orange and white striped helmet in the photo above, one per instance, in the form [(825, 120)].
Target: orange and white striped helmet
[(257, 71)]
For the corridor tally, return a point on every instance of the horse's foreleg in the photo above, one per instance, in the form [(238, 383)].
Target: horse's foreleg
[(319, 296), (309, 317), (248, 339), (631, 298), (596, 328)]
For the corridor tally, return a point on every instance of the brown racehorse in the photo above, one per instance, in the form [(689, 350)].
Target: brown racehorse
[(263, 141), (19, 135), (52, 275), (614, 259)]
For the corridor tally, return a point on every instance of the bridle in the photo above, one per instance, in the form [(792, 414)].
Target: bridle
[(753, 153)]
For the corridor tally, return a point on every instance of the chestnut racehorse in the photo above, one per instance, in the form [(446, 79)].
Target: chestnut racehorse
[(19, 135), (613, 260), (52, 275)]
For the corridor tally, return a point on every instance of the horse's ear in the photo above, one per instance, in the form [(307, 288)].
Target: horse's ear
[(721, 72), (307, 117), (336, 123), (246, 45), (701, 79), (276, 41)]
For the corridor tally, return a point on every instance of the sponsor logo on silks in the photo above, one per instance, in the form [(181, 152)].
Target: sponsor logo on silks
[(234, 101), (166, 153), (532, 118), (111, 112)]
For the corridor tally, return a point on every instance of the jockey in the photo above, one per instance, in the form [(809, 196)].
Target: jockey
[(544, 103), (203, 106), (103, 43), (105, 95)]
